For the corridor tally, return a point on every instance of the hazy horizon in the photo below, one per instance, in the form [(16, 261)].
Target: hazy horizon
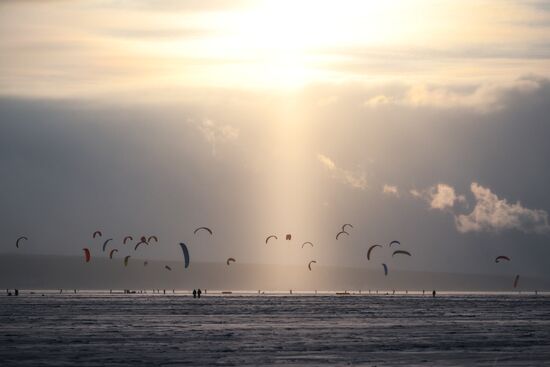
[(70, 272)]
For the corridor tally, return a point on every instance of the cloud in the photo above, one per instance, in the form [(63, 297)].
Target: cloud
[(494, 215), (160, 33), (326, 161), (485, 97), (356, 179), (215, 134), (444, 196), (440, 196), (390, 190), (379, 100), (182, 6), (490, 213)]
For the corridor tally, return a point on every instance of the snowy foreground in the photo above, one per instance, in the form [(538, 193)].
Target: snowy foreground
[(154, 329)]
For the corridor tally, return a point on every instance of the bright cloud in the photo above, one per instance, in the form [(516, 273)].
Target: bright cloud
[(356, 179), (379, 100), (493, 214), (484, 97), (390, 190), (326, 161), (444, 196), (440, 196), (215, 134)]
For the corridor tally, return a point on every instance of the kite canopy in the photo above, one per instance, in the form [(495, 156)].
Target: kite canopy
[(87, 254), (344, 226), (397, 252), (105, 243), (502, 257), (341, 233), (139, 243), (370, 250), (185, 253), (19, 240), (202, 229)]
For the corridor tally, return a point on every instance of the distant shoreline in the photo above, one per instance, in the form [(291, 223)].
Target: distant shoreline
[(267, 293), (53, 272)]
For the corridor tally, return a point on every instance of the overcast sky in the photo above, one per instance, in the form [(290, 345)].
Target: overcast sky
[(422, 121)]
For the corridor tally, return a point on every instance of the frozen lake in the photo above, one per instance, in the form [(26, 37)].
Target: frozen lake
[(99, 329)]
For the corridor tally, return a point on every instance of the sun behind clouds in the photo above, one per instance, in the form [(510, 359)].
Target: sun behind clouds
[(101, 48)]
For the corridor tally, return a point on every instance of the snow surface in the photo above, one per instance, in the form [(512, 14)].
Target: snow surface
[(98, 329)]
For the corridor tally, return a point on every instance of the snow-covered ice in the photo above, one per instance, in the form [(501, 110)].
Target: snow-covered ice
[(87, 329)]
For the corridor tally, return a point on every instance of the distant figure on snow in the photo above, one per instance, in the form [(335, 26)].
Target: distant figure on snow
[(433, 293), (199, 293), (194, 293)]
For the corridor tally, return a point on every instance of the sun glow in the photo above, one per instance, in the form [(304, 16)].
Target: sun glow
[(105, 48), (288, 44)]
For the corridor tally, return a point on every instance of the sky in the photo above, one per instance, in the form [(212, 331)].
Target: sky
[(419, 121)]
